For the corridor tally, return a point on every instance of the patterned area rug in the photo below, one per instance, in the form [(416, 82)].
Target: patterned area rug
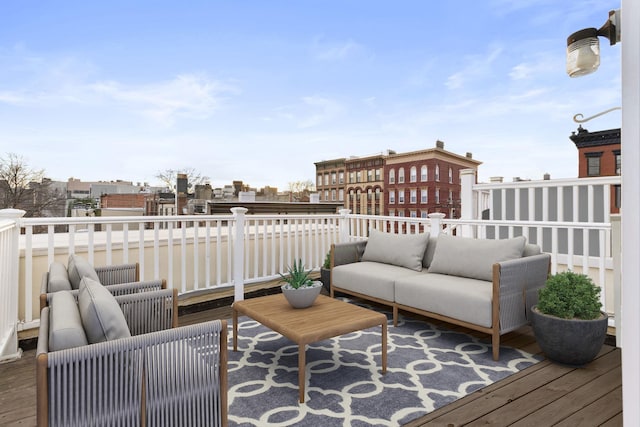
[(427, 367)]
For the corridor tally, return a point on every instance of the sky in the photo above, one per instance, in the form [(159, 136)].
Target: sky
[(258, 90)]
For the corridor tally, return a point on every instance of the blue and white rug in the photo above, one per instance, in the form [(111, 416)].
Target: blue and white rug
[(427, 367)]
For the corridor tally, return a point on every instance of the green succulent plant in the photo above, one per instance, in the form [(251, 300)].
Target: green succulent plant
[(296, 276), (570, 296)]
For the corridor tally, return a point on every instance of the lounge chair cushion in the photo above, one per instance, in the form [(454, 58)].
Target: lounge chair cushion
[(402, 250), (58, 279), (473, 258), (101, 315), (78, 268), (65, 324)]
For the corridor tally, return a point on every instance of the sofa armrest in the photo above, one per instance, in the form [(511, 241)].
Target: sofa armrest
[(347, 253), (114, 274), (517, 282)]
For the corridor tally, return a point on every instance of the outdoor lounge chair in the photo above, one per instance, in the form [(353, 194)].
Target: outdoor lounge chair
[(158, 376), (61, 277)]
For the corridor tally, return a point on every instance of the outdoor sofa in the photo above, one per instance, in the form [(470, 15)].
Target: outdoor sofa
[(482, 284), (120, 360)]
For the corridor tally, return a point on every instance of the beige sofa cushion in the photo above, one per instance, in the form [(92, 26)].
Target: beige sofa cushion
[(58, 279), (65, 325), (402, 250), (78, 268), (369, 278), (101, 315), (461, 298), (473, 258)]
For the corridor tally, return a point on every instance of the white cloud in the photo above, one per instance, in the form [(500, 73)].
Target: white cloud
[(326, 51), (188, 95), (478, 66), (324, 109)]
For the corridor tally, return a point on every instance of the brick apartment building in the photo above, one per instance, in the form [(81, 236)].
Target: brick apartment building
[(398, 184), (599, 155), (425, 181)]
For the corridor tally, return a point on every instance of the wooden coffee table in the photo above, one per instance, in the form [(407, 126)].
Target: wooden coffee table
[(326, 318)]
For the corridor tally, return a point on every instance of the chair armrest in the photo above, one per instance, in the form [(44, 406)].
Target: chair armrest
[(114, 274), (152, 371), (150, 311), (518, 281), (347, 253)]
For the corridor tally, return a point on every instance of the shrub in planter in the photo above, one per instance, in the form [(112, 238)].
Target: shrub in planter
[(325, 272), (567, 321), (300, 289)]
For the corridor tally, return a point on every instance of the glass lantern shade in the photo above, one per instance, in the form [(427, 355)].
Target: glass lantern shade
[(583, 53)]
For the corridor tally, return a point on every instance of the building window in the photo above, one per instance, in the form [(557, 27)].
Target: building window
[(369, 175), (593, 163), (392, 212), (437, 195), (423, 173), (333, 178), (423, 214), (413, 214), (437, 177), (341, 178), (392, 176), (400, 196), (616, 153), (400, 175), (341, 195), (450, 175), (378, 174), (401, 212), (413, 196), (617, 196), (333, 195), (424, 196), (392, 196), (326, 195), (319, 184), (377, 194), (413, 174), (326, 179)]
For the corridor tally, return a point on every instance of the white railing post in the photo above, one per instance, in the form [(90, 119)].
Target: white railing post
[(436, 223), (9, 266), (238, 253), (344, 225), (467, 179)]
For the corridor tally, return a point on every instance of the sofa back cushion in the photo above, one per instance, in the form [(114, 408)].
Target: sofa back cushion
[(78, 268), (428, 253), (531, 249), (101, 315), (65, 325), (473, 258), (403, 250), (58, 279)]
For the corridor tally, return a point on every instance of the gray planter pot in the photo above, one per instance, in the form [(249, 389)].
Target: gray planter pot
[(302, 297), (325, 278), (572, 342)]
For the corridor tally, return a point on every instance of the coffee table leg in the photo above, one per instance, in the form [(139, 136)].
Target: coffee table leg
[(302, 348), (235, 330), (384, 347)]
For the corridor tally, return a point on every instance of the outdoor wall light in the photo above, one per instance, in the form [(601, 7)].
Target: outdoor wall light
[(583, 47)]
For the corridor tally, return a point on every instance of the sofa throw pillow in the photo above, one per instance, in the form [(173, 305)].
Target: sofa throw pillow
[(58, 279), (78, 268), (403, 250), (65, 325), (473, 258), (101, 315)]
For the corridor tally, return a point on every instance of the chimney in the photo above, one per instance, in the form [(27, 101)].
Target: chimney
[(546, 177), (516, 179), (495, 179), (439, 144), (469, 155)]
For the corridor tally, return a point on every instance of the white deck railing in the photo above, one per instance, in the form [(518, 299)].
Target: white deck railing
[(202, 253)]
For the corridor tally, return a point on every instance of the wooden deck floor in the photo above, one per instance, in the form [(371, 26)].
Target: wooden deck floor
[(545, 394)]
